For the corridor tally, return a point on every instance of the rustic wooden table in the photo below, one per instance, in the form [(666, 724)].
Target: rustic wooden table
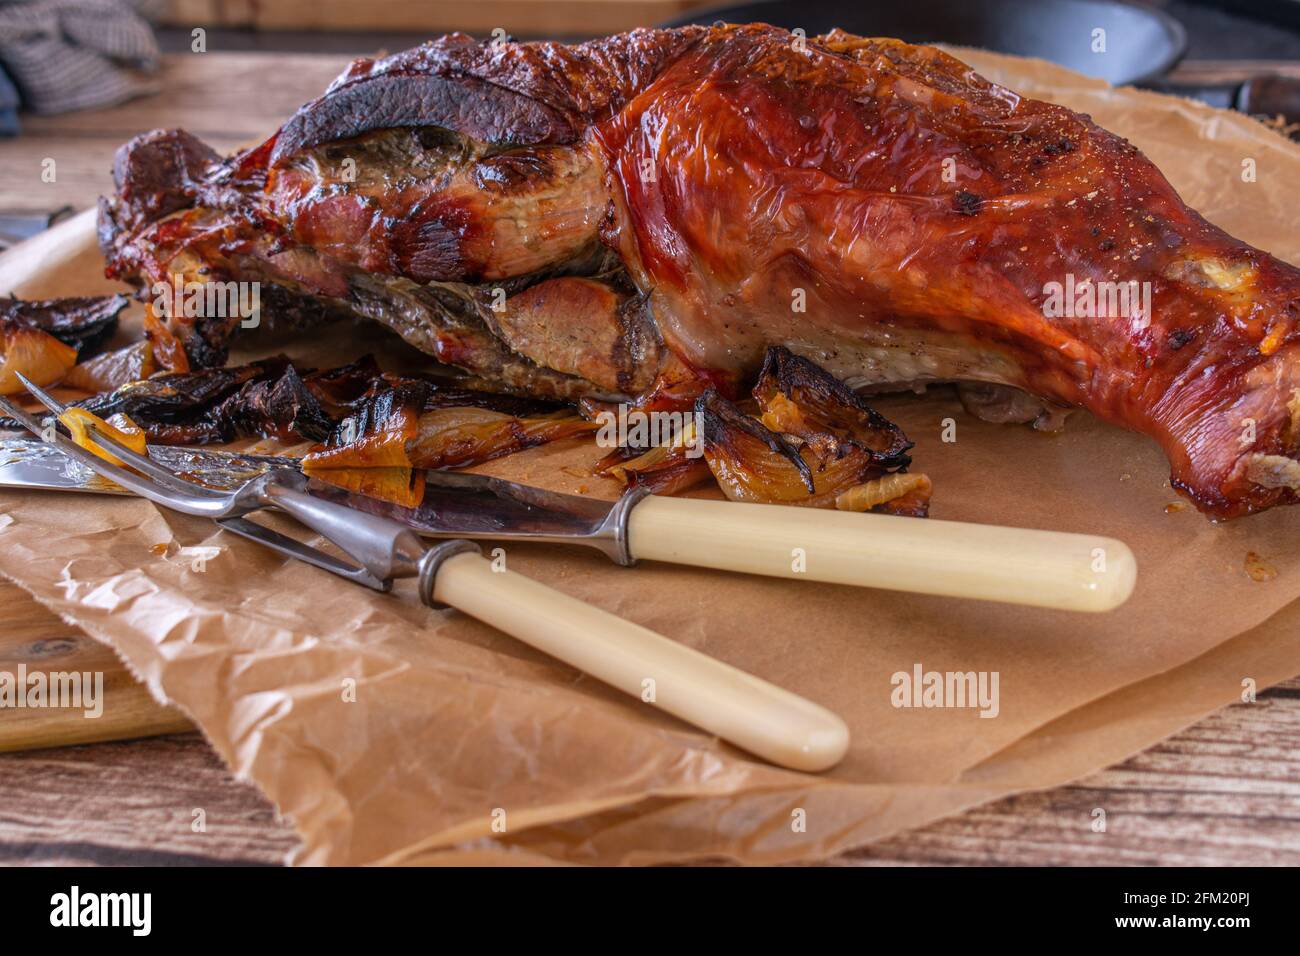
[(1225, 791)]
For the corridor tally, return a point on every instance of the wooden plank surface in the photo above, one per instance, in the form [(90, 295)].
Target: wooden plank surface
[(33, 638), (1224, 792)]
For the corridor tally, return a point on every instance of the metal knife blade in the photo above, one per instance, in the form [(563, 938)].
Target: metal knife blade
[(455, 504), (461, 505)]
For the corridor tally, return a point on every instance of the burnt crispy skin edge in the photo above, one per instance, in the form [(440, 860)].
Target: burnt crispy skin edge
[(491, 114), (503, 94)]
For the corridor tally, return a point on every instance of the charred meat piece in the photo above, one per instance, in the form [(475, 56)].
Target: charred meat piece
[(717, 191)]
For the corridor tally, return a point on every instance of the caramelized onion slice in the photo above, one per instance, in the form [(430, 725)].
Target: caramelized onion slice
[(367, 452), (458, 437), (36, 354), (112, 370), (84, 322), (119, 427), (177, 408), (753, 463), (168, 351), (897, 493), (662, 469), (401, 486), (396, 438)]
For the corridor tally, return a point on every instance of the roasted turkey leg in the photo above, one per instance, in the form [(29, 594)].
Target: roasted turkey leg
[(645, 214)]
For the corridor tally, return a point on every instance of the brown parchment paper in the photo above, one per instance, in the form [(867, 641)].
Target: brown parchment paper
[(456, 726)]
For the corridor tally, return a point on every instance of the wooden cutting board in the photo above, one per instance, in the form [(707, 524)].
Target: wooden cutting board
[(37, 640)]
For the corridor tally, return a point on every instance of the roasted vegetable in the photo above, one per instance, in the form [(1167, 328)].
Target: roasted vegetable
[(86, 323), (112, 370), (815, 443), (273, 408), (36, 354), (119, 427), (460, 436), (368, 451), (796, 397)]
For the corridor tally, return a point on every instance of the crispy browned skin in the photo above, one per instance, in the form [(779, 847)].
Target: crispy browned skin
[(916, 212)]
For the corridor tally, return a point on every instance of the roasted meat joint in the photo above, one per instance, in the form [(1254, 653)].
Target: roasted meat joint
[(645, 218)]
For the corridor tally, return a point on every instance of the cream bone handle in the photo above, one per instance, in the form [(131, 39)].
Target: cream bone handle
[(1076, 572), (742, 709)]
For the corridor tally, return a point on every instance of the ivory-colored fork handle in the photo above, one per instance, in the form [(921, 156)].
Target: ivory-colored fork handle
[(1055, 569), (751, 713)]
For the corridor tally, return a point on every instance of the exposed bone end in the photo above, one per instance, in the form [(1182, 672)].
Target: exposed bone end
[(1273, 471), (1005, 404)]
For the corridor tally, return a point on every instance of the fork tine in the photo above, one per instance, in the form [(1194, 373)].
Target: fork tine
[(42, 396), (139, 462), (181, 499)]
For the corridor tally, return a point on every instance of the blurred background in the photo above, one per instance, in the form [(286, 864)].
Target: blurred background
[(80, 77)]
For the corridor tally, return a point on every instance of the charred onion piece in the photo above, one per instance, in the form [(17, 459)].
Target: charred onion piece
[(753, 463), (381, 449), (112, 370), (284, 408), (175, 408), (176, 397), (346, 386), (367, 452), (168, 350), (661, 469), (85, 322), (817, 444), (798, 397)]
